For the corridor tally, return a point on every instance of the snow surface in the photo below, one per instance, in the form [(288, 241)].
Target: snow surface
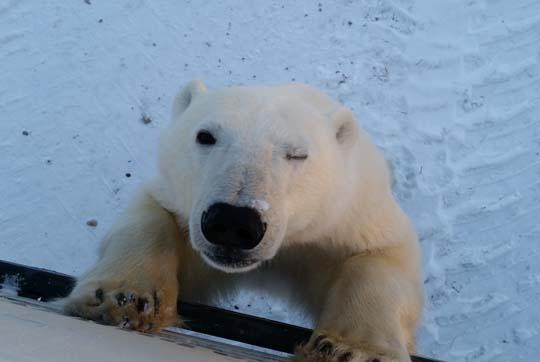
[(9, 285), (449, 89)]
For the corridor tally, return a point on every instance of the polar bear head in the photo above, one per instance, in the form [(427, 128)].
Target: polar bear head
[(252, 168)]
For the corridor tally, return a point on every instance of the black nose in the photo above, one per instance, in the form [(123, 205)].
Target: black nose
[(228, 225)]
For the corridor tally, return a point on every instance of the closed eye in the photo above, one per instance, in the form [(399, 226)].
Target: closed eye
[(294, 157)]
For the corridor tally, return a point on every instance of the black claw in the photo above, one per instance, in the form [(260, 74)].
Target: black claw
[(156, 303), (347, 357), (125, 322), (318, 340), (141, 304), (121, 299), (99, 295), (375, 360), (326, 348)]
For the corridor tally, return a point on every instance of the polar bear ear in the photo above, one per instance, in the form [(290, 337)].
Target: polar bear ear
[(345, 126), (184, 98)]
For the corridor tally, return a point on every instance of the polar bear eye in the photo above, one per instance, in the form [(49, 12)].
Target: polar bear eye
[(294, 157), (205, 138)]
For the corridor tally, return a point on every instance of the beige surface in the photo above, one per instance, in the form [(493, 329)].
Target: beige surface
[(30, 333)]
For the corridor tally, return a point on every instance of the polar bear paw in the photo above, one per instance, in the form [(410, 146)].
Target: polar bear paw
[(324, 348), (143, 309)]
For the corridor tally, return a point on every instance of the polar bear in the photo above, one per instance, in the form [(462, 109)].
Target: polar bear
[(273, 187)]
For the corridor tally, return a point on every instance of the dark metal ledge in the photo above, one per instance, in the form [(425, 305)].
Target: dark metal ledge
[(45, 285)]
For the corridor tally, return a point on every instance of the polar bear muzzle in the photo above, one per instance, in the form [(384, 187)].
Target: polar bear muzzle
[(232, 226)]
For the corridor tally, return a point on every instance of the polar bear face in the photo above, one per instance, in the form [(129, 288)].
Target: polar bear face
[(253, 167)]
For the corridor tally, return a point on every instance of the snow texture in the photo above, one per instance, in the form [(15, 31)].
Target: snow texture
[(450, 90), (9, 285)]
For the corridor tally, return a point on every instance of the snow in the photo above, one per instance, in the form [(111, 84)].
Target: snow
[(9, 285), (449, 90), (261, 205)]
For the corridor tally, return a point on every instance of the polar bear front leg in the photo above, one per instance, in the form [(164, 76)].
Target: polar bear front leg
[(134, 284), (370, 313)]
